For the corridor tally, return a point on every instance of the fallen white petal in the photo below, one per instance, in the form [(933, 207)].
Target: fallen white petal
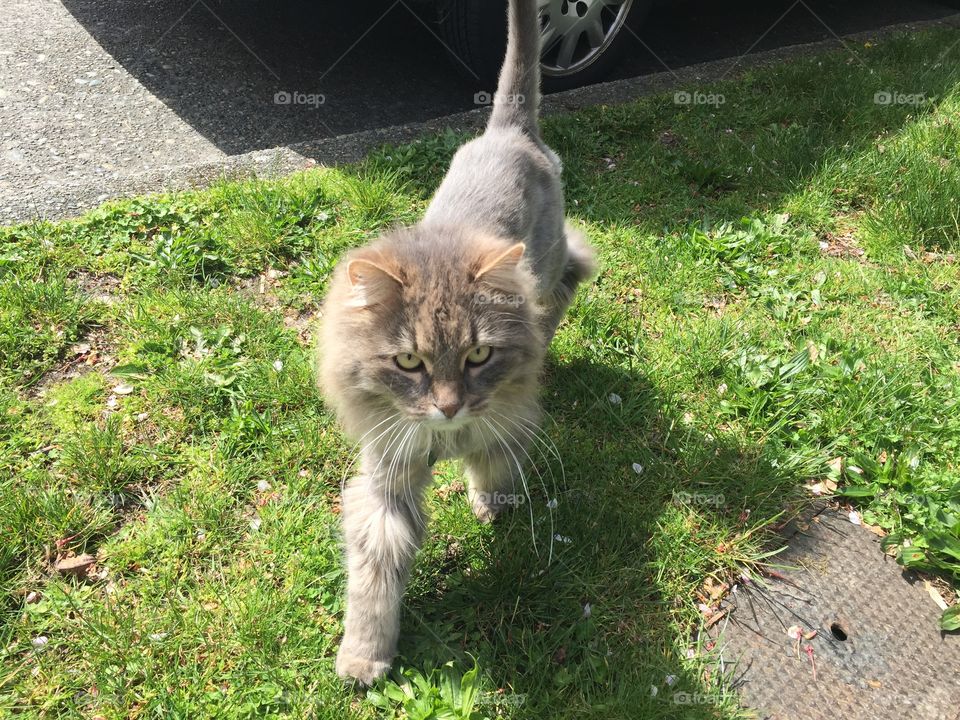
[(638, 468), (40, 642), (123, 389), (855, 517), (263, 486), (615, 399)]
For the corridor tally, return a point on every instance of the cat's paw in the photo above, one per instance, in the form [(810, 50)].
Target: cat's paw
[(362, 670), (484, 508)]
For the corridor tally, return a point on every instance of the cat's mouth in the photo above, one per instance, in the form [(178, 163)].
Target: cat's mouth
[(445, 424)]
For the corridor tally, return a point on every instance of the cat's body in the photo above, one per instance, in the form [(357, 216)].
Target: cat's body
[(433, 340)]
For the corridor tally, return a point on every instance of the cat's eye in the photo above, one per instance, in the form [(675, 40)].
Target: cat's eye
[(479, 355), (408, 361)]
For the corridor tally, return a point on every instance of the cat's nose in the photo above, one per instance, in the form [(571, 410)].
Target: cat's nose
[(447, 397), (449, 408)]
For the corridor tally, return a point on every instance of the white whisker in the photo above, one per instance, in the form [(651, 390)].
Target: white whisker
[(523, 480), (397, 420), (539, 476)]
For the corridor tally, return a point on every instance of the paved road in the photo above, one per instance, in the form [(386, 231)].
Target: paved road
[(103, 91)]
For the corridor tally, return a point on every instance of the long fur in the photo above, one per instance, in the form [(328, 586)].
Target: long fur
[(518, 91), (492, 264)]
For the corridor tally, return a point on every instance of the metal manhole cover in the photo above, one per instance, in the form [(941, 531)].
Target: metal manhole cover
[(878, 650)]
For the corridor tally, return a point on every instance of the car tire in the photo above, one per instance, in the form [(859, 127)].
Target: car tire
[(475, 33)]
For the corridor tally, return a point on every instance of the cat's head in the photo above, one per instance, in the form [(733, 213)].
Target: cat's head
[(434, 325)]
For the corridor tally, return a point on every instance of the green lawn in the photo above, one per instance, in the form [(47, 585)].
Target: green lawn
[(779, 306)]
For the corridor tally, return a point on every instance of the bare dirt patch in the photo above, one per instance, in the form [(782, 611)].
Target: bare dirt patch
[(92, 353)]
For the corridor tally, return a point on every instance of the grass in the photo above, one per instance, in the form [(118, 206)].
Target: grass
[(779, 307)]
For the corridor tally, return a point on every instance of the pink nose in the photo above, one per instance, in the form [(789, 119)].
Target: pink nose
[(449, 409)]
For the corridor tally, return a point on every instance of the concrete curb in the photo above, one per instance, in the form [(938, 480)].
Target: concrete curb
[(70, 199)]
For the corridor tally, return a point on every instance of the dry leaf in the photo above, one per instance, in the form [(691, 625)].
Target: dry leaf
[(713, 590), (932, 591), (78, 566), (716, 617)]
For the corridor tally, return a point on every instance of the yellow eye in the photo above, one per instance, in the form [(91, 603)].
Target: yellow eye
[(479, 355), (408, 361)]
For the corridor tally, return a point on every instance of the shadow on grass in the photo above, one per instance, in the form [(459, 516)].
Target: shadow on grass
[(809, 137), (586, 625)]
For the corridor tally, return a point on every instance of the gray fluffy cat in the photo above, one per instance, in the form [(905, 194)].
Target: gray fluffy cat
[(433, 340)]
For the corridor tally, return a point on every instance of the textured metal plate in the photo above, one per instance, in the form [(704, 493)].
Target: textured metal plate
[(894, 661)]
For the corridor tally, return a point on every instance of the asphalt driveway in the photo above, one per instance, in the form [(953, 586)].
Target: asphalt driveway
[(103, 97)]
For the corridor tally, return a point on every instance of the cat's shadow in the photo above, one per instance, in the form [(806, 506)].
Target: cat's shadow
[(572, 595)]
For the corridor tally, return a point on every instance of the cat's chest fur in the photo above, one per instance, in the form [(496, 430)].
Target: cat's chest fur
[(446, 444)]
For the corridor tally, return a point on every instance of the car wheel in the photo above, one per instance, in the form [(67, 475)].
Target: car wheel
[(582, 39)]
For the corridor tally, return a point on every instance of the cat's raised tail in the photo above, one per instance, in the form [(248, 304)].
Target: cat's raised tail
[(518, 90)]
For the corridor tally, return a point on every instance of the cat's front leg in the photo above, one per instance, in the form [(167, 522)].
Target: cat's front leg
[(383, 526), (495, 478)]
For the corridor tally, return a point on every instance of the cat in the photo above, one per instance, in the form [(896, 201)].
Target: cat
[(432, 342)]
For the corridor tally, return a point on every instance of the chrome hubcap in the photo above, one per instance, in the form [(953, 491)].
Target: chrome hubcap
[(574, 33)]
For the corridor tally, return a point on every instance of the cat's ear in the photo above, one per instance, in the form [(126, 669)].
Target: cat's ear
[(371, 283), (499, 268)]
